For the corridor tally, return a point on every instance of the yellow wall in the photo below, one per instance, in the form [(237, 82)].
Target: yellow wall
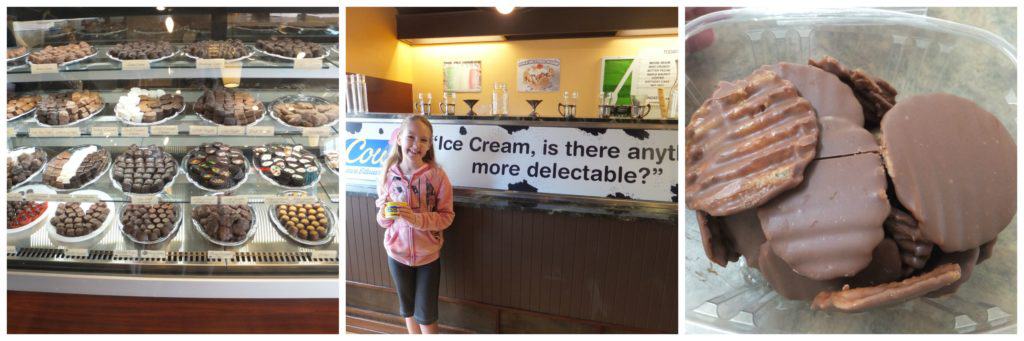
[(372, 45)]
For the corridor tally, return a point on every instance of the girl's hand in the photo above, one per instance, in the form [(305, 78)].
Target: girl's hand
[(406, 213)]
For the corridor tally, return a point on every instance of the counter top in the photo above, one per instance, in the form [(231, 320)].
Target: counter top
[(665, 124)]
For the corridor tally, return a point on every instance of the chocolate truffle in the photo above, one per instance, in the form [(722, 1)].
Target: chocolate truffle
[(73, 168), (71, 220), (214, 171), (68, 107), (224, 223), (144, 170), (149, 223)]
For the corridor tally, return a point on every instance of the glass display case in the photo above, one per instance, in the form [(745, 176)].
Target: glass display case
[(135, 148)]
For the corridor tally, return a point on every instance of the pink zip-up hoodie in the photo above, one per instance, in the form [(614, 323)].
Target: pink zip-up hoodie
[(429, 194)]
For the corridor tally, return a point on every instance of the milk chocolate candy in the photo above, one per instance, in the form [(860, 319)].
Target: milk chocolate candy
[(886, 266), (716, 246), (860, 299), (986, 251), (748, 145), (914, 248), (953, 166), (788, 283), (828, 226), (840, 137), (875, 95), (966, 260), (744, 230), (827, 94)]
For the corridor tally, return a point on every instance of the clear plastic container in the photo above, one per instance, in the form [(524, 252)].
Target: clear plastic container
[(917, 55)]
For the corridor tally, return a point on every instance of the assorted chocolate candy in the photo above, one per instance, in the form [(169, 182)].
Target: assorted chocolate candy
[(61, 54), (74, 168), (135, 50), (23, 212), (21, 167), (331, 158), (73, 221), (782, 170), (224, 223), (306, 114), (16, 52), (17, 106), (307, 221), (287, 165), (229, 107), (215, 49), (144, 170), (289, 47), (148, 106), (149, 223), (100, 27), (216, 165), (68, 107)]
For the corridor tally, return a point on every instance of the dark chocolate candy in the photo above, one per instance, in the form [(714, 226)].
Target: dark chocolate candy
[(743, 230), (964, 259), (717, 247), (886, 266), (748, 145), (914, 248), (788, 283), (953, 166), (860, 299), (986, 251)]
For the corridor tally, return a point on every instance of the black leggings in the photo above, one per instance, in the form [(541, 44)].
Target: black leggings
[(417, 289)]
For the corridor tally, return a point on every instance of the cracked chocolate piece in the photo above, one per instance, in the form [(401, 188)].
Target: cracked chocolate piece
[(744, 231), (840, 137), (914, 248), (748, 145), (885, 266), (788, 283), (716, 246), (860, 299), (829, 225), (953, 166), (875, 95), (966, 260)]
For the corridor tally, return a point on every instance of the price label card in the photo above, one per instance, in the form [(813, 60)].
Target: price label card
[(145, 199), (54, 132), (126, 253), (60, 197), (14, 196), (82, 198), (103, 131), (260, 131), (234, 200), (324, 254), (141, 64), (37, 197), (231, 130), (204, 200), (11, 249), (153, 254), (40, 132), (217, 63), (202, 130), (12, 132), (220, 255), (164, 130), (135, 131), (76, 253), (44, 68), (309, 64), (281, 200), (317, 131)]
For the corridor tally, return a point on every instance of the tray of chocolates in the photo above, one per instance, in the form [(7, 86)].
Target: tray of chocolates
[(76, 167), (25, 217), (229, 107), (144, 170), (81, 224), (148, 107), (153, 51), (288, 166), (68, 108), (300, 111), (231, 50), (97, 29), (63, 55), (331, 161), (225, 225), (306, 224), (216, 167), (290, 49), (21, 106), (150, 224), (24, 164), (16, 54)]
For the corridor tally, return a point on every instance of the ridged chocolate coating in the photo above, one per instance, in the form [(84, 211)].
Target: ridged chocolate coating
[(953, 166), (860, 299), (827, 94), (748, 145), (914, 248), (875, 95)]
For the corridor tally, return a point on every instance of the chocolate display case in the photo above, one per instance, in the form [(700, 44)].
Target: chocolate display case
[(167, 253), (917, 55)]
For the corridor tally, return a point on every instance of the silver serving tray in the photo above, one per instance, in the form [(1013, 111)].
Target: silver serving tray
[(311, 184), (327, 164), (70, 124), (289, 58), (15, 59), (300, 98), (183, 166), (248, 235), (117, 185), (46, 160), (93, 54), (179, 215), (140, 124), (281, 229), (257, 121), (151, 61), (252, 51), (90, 182)]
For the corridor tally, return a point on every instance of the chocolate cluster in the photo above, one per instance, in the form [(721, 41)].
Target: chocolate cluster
[(213, 49), (216, 165), (149, 223), (72, 221), (144, 170), (61, 54), (68, 107), (289, 47), (224, 223), (229, 107), (16, 52), (23, 212), (72, 169), (23, 166), (782, 170), (17, 106), (306, 221), (142, 50), (287, 165), (306, 114), (148, 106)]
